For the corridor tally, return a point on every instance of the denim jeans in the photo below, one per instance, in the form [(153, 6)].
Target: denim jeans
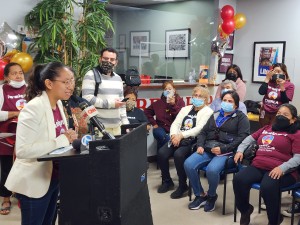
[(161, 136), (39, 211), (215, 165)]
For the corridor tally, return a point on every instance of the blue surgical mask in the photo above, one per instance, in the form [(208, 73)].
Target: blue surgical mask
[(197, 102), (225, 90), (227, 107), (166, 92)]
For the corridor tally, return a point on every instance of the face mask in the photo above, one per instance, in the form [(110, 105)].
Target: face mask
[(197, 102), (231, 76), (281, 123), (106, 67), (168, 93), (130, 105), (225, 90), (17, 84), (227, 107)]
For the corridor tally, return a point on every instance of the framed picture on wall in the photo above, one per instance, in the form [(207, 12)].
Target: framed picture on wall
[(177, 43), (122, 41), (139, 43), (265, 54), (231, 40), (225, 62)]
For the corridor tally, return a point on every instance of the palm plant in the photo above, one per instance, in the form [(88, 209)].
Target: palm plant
[(62, 38)]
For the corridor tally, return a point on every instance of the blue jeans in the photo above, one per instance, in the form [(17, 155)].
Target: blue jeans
[(215, 165), (161, 136), (39, 211)]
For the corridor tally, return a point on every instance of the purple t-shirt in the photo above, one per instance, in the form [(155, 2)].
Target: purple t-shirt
[(60, 128), (275, 148), (272, 100)]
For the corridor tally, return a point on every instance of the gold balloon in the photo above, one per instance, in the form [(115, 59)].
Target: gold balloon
[(7, 57), (24, 59), (239, 20)]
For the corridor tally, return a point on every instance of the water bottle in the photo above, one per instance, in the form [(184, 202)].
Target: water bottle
[(190, 77)]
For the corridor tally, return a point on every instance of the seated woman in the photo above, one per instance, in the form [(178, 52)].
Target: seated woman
[(218, 139), (226, 85), (165, 110), (273, 166), (184, 129), (134, 115)]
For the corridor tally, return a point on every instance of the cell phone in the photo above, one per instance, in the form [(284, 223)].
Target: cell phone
[(124, 100), (278, 76)]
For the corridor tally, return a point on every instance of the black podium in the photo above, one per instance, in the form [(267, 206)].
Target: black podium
[(106, 185)]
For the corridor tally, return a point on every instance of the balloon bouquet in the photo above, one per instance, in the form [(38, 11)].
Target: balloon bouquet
[(9, 43), (219, 44)]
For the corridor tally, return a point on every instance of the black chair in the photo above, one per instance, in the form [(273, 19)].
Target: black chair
[(227, 170)]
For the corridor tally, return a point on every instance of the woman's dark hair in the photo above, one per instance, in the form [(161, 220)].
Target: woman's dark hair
[(283, 67), (42, 72), (296, 125), (7, 68), (130, 90), (237, 69), (234, 95)]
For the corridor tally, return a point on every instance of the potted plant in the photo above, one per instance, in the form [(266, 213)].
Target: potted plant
[(61, 37)]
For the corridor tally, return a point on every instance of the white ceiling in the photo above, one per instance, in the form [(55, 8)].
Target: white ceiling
[(140, 2)]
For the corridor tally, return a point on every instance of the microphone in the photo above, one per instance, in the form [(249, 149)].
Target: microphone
[(76, 144), (83, 143), (91, 112)]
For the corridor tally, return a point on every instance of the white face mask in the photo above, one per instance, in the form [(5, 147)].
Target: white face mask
[(16, 84)]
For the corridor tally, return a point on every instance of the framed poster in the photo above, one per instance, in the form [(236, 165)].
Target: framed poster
[(139, 43), (225, 62), (177, 43), (122, 41), (231, 40), (265, 54)]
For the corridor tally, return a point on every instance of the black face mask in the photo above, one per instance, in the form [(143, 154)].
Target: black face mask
[(106, 67), (231, 76), (281, 123)]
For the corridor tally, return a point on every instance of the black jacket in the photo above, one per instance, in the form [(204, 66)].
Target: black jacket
[(228, 136)]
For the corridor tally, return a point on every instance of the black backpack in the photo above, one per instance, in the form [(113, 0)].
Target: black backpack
[(98, 80), (132, 77)]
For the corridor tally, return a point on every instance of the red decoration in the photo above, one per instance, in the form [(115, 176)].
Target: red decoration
[(227, 12), (228, 26)]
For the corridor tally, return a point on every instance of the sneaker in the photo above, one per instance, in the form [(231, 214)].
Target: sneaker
[(198, 202), (210, 203), (263, 206), (288, 212), (166, 186), (179, 192), (245, 217)]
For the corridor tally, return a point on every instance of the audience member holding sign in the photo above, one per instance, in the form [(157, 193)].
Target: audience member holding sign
[(42, 128), (277, 89)]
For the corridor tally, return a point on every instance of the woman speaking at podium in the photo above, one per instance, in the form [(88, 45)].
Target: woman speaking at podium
[(42, 127)]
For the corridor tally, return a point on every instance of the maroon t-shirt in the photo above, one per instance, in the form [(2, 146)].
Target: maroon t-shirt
[(60, 128), (13, 100), (272, 100), (275, 148)]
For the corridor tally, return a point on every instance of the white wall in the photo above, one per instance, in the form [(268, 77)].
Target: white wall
[(14, 11), (269, 20)]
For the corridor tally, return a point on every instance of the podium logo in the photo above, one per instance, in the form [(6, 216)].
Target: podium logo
[(86, 139), (143, 177)]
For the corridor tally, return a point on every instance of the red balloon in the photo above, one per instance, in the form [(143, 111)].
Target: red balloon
[(227, 12), (228, 26), (2, 65)]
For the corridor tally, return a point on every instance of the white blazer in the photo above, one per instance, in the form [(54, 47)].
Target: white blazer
[(36, 136)]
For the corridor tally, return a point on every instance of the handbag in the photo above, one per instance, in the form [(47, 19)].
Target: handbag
[(132, 77), (187, 141), (249, 154)]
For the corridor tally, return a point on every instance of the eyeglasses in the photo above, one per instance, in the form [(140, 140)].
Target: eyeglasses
[(109, 59), (67, 82)]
